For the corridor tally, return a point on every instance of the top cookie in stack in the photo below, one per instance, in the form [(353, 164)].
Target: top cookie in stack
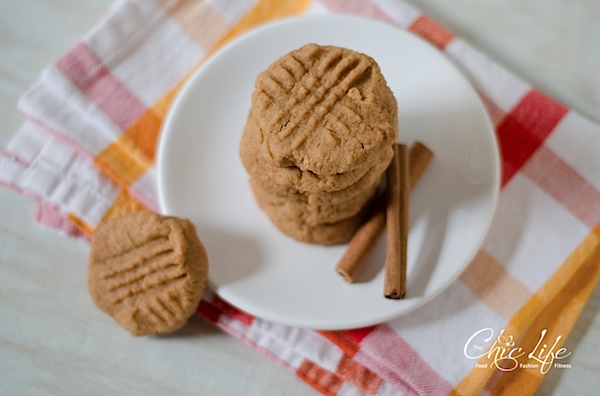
[(317, 141)]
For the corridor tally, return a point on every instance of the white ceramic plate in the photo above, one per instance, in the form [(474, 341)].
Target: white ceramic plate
[(259, 270)]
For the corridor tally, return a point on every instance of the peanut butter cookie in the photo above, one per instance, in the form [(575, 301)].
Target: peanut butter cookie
[(147, 271), (324, 109)]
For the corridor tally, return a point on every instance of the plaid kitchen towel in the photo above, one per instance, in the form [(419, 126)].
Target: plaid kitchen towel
[(87, 152)]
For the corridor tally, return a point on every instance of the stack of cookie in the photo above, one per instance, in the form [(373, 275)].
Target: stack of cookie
[(317, 141)]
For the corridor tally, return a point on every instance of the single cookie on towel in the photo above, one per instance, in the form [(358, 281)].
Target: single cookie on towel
[(324, 109), (148, 271)]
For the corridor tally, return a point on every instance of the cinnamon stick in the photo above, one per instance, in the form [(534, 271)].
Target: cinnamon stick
[(419, 157), (363, 242), (396, 224), (366, 237)]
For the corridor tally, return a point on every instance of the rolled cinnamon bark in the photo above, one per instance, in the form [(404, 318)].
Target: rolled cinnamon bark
[(419, 157), (362, 243), (396, 224), (367, 236)]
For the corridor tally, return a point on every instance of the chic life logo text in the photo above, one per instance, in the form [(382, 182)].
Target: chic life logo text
[(504, 354)]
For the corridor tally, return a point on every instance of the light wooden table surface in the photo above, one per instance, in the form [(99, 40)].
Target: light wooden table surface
[(54, 341)]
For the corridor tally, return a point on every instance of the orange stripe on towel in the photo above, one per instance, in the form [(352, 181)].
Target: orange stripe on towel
[(322, 380), (358, 375), (495, 286), (265, 11)]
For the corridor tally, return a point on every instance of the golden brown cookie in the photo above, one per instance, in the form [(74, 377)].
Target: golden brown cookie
[(335, 233), (324, 109), (147, 271), (312, 214), (292, 181)]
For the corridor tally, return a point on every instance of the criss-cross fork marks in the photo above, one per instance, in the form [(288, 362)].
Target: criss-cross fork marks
[(314, 85), (143, 269), (159, 311)]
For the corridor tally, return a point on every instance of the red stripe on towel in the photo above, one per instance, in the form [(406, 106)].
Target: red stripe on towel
[(525, 128)]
